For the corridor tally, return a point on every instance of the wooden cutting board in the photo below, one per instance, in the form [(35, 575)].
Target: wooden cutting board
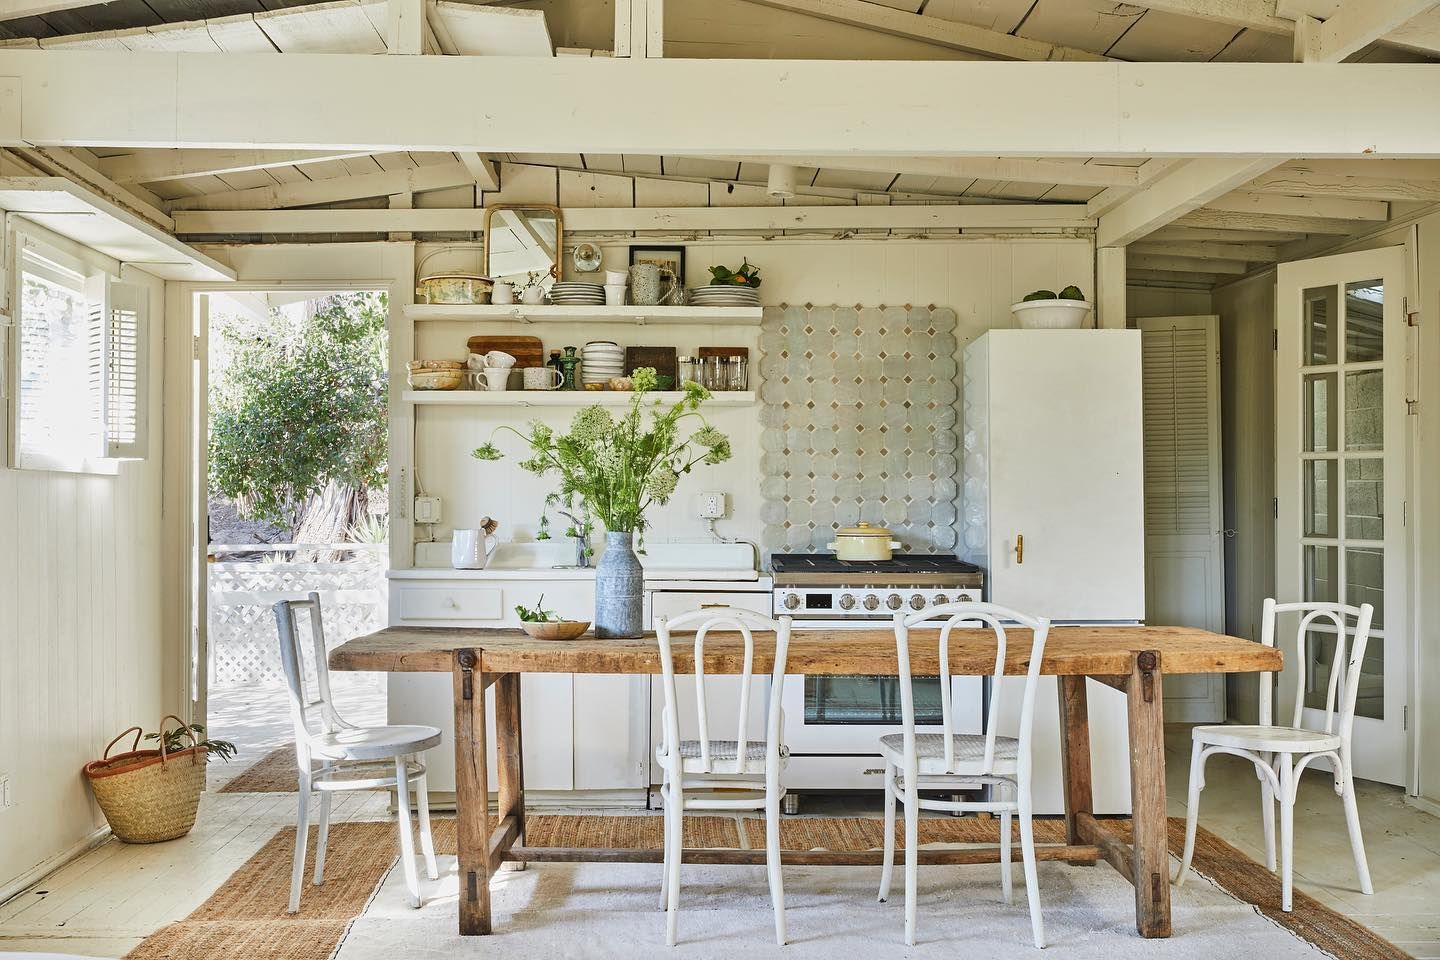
[(725, 352), (527, 351), (661, 358)]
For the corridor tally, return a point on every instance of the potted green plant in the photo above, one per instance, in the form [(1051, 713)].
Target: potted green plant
[(1047, 310), (615, 469)]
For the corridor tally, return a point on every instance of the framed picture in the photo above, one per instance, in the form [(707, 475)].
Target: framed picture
[(671, 258)]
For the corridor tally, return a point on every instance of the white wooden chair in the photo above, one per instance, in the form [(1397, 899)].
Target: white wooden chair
[(333, 755), (947, 760), (705, 765), (1280, 754)]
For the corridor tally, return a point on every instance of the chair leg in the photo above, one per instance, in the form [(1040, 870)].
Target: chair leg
[(302, 835), (1007, 871), (427, 840), (1027, 852), (912, 855), (887, 866), (407, 840), (1287, 830), (665, 842), (322, 839), (1267, 814), (772, 855), (1192, 809), (672, 869), (1352, 823)]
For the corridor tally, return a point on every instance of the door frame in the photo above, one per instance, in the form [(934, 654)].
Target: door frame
[(1400, 432)]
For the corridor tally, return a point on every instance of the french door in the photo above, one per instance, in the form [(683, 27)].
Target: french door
[(1341, 468)]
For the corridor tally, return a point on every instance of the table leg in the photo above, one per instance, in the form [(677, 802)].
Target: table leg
[(1151, 864), (472, 794), (510, 771), (1075, 757)]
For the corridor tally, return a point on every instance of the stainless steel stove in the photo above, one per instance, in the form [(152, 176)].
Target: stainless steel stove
[(833, 724)]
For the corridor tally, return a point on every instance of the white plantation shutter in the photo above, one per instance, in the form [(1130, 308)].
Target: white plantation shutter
[(123, 390), (1180, 370)]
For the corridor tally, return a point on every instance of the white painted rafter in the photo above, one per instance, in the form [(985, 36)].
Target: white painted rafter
[(1207, 250), (1356, 25), (1178, 264), (1184, 188), (154, 166), (15, 9), (332, 190), (1312, 180), (1013, 170), (943, 33), (1334, 208)]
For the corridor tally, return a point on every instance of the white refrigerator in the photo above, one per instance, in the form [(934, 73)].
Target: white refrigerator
[(1053, 509)]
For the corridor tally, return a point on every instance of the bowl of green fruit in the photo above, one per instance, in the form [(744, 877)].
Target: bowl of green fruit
[(1048, 310), (545, 624)]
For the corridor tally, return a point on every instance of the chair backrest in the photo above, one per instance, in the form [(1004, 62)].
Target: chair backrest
[(1347, 661), (967, 615), (311, 714), (725, 618)]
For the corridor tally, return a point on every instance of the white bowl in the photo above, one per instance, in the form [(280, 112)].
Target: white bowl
[(1058, 314)]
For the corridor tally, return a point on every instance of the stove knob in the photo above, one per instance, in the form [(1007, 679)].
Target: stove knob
[(893, 601), (791, 601), (941, 599), (965, 598), (917, 602), (847, 602), (871, 601)]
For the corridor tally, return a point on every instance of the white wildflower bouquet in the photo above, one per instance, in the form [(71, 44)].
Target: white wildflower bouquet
[(617, 468)]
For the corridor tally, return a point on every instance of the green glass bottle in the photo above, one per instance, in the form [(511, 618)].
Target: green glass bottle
[(567, 367)]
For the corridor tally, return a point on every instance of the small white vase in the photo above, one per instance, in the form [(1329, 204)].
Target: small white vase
[(532, 296), (502, 293)]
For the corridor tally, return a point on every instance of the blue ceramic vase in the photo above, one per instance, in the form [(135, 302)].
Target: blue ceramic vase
[(619, 588)]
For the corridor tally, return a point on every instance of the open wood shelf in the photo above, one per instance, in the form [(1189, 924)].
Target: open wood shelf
[(561, 398), (553, 313)]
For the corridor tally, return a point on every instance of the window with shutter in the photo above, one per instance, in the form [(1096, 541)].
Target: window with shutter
[(122, 387)]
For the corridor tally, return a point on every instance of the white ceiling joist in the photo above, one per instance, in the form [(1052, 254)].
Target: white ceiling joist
[(105, 98), (1184, 188), (157, 166), (332, 190), (1003, 169), (681, 219), (1334, 208), (1422, 33), (1298, 179), (1206, 250), (1357, 24), (1177, 264), (1250, 14), (14, 9), (944, 33), (1250, 222)]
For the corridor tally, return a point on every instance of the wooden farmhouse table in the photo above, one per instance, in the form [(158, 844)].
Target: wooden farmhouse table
[(1132, 659)]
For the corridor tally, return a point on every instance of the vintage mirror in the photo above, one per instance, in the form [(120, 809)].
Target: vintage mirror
[(521, 239)]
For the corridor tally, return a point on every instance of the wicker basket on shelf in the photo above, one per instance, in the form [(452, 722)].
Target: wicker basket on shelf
[(149, 795)]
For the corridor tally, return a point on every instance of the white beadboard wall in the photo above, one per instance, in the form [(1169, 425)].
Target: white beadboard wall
[(979, 279), (81, 649)]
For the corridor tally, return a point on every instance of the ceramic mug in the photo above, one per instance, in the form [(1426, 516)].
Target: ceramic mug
[(615, 294), (497, 378), (471, 549), (498, 358), (647, 284), (502, 293), (542, 378), (612, 277), (476, 361)]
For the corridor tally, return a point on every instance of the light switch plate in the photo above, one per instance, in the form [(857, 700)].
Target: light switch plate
[(710, 505), (427, 509)]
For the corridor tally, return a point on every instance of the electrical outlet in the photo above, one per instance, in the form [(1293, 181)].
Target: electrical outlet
[(710, 505), (427, 509)]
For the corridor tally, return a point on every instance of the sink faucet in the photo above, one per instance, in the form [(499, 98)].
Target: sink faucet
[(582, 552)]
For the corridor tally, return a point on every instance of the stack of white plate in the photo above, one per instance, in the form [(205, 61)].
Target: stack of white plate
[(600, 360), (724, 295), (573, 292)]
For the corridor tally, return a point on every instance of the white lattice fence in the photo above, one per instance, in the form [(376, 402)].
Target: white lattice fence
[(244, 649)]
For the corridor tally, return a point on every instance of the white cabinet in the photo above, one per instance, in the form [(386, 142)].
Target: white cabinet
[(1054, 512)]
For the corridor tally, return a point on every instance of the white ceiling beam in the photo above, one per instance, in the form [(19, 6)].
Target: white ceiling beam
[(1208, 234), (1422, 33), (1334, 208), (332, 190), (1356, 25), (405, 27), (942, 33), (1226, 220), (1174, 264), (125, 99), (485, 170), (1184, 188), (1298, 179), (63, 163), (1072, 172), (598, 219), (1202, 250), (1279, 16), (154, 166)]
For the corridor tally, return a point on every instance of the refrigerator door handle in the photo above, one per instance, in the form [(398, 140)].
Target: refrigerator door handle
[(1019, 548)]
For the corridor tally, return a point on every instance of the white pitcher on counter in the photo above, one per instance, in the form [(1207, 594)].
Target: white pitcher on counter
[(470, 549)]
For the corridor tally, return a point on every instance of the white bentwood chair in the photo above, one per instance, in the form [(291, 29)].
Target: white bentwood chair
[(947, 760), (333, 755), (1280, 754), (707, 765)]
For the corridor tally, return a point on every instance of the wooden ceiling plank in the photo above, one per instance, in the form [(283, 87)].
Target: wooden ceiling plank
[(1182, 189), (334, 190), (1226, 220), (1204, 234), (1330, 208), (1174, 264), (1302, 180), (1356, 25), (1201, 250), (152, 166), (1013, 169)]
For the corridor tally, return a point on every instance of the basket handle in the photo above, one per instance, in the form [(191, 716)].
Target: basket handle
[(133, 747), (185, 729)]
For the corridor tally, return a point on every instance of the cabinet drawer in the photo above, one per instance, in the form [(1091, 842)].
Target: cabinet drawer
[(450, 601), (664, 604)]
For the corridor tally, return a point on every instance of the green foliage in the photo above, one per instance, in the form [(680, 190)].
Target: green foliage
[(1039, 295), (298, 404), (177, 739), (369, 529), (1071, 292), (747, 276), (538, 614), (614, 469)]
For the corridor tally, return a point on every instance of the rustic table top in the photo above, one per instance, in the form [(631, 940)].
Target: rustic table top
[(1075, 651)]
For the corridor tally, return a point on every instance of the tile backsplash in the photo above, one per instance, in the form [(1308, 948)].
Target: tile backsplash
[(858, 422)]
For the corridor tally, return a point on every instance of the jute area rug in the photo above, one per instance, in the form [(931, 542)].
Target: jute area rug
[(273, 773), (610, 910)]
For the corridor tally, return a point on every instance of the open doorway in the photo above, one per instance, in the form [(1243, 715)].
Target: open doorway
[(290, 452)]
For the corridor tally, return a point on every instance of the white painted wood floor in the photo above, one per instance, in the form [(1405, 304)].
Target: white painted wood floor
[(104, 903)]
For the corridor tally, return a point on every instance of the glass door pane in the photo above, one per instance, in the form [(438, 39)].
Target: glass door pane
[(869, 700)]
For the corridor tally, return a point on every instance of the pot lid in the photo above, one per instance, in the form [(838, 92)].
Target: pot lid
[(863, 529)]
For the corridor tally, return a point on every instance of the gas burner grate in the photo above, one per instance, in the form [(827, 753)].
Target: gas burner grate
[(801, 563)]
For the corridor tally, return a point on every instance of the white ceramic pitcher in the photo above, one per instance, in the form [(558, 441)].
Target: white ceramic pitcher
[(471, 549)]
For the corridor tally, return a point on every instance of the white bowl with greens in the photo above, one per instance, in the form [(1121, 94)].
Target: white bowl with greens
[(1047, 310)]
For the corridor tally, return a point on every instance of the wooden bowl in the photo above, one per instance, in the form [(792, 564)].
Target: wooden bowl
[(556, 630)]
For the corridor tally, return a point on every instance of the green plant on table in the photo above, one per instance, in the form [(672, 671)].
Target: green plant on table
[(536, 614), (178, 738), (747, 276), (613, 469)]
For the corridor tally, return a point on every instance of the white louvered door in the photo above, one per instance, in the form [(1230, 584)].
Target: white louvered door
[(1184, 552)]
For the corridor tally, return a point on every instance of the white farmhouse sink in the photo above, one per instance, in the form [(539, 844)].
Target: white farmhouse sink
[(554, 559)]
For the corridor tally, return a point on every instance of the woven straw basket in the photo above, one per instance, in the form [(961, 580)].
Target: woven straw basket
[(149, 795)]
